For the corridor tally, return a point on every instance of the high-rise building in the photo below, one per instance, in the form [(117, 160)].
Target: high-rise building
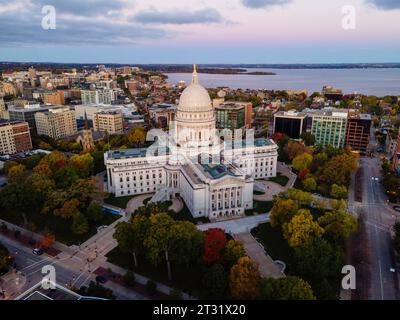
[(54, 98), (291, 123), (26, 113), (108, 121), (329, 127), (358, 131), (56, 123), (14, 137), (106, 96)]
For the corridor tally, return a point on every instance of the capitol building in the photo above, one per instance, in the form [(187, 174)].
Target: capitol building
[(215, 177)]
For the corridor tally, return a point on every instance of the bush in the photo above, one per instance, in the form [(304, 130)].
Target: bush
[(129, 279), (151, 288)]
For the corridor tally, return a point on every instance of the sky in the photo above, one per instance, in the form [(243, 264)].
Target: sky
[(200, 31)]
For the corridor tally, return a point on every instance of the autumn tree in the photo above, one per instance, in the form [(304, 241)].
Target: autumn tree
[(5, 258), (302, 198), (137, 135), (80, 224), (68, 210), (234, 250), (282, 211), (309, 184), (302, 161), (294, 149), (214, 244), (47, 241), (287, 288), (245, 280), (82, 164), (16, 174), (301, 230), (338, 224), (338, 192)]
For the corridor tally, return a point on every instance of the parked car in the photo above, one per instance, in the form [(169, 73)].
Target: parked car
[(397, 208), (38, 251), (101, 279)]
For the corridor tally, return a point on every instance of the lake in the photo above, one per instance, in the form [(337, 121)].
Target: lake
[(379, 82)]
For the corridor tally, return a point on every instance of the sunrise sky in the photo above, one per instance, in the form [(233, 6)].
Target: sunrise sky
[(205, 31)]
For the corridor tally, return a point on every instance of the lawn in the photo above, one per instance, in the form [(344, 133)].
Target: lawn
[(185, 215), (280, 179), (274, 243), (61, 228), (120, 202), (258, 193), (187, 279), (260, 207)]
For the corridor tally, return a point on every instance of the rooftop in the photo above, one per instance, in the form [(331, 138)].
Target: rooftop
[(217, 171), (134, 153)]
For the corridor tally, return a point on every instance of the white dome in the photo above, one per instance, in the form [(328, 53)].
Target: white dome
[(195, 97)]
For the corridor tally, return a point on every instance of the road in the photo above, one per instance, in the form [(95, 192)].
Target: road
[(379, 219), (71, 270)]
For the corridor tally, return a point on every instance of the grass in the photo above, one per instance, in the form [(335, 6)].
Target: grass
[(60, 227), (280, 179), (260, 207), (186, 215), (274, 243), (120, 202), (187, 279), (258, 193)]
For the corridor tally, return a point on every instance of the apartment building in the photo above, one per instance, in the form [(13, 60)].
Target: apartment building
[(106, 96), (54, 98), (14, 137)]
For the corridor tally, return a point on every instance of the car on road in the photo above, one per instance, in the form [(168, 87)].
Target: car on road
[(38, 251), (397, 208), (101, 279)]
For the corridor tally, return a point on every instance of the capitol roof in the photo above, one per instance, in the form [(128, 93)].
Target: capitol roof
[(195, 98)]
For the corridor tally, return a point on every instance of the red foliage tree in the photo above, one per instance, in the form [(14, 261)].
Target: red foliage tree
[(303, 173), (214, 244)]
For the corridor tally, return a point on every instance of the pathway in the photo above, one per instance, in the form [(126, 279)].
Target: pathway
[(268, 268), (236, 226)]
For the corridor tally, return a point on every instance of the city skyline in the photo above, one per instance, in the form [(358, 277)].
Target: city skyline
[(205, 31)]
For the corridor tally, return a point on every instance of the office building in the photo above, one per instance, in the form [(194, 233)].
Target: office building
[(108, 121), (329, 127), (106, 96), (56, 123), (291, 123), (358, 131)]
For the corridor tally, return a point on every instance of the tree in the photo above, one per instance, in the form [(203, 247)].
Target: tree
[(8, 165), (55, 160), (158, 239), (94, 212), (308, 138), (137, 135), (300, 197), (338, 169), (84, 190), (82, 164), (131, 235), (302, 161), (338, 224), (129, 278), (214, 244), (5, 259), (282, 211), (186, 242), (80, 224), (309, 184), (301, 230), (396, 238), (234, 250), (68, 210), (245, 280), (288, 288), (320, 264), (338, 192), (215, 282), (47, 241), (294, 149), (16, 174)]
